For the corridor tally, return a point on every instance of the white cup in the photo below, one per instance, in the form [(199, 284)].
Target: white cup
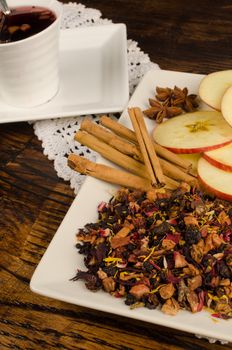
[(29, 68)]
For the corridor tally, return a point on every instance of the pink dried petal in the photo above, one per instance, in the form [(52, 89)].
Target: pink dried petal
[(201, 297), (175, 238), (227, 235), (155, 265), (104, 233), (172, 222), (172, 279), (101, 206)]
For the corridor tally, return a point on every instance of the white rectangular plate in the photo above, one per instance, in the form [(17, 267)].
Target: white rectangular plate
[(59, 264), (93, 76)]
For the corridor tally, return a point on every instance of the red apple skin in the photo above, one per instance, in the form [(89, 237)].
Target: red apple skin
[(218, 164), (215, 192), (198, 150)]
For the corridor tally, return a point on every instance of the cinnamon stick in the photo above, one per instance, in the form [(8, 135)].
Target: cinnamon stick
[(128, 134), (111, 139), (117, 157), (175, 172), (172, 157), (132, 150), (146, 147), (118, 128), (171, 183), (111, 154), (108, 174)]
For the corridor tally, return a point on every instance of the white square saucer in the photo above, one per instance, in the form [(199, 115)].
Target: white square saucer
[(93, 76)]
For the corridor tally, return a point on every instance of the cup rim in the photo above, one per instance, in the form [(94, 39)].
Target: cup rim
[(58, 13)]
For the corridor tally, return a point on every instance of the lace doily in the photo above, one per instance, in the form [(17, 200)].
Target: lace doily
[(57, 135)]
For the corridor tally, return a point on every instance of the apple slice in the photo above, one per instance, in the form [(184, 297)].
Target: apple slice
[(213, 87), (226, 105), (215, 180), (194, 132), (221, 157)]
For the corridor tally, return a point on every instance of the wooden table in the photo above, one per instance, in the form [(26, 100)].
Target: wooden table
[(179, 35)]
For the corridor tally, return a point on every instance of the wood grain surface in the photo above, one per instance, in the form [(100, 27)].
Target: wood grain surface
[(179, 35)]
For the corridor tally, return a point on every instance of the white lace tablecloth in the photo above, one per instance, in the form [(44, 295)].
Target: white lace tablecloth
[(57, 135)]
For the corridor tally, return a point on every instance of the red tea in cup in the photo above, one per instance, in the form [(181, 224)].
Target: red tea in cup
[(23, 22)]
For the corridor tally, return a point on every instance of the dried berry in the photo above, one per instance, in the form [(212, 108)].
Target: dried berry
[(130, 299), (148, 266), (192, 235), (223, 270)]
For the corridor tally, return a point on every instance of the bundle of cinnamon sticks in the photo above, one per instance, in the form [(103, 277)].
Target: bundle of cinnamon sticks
[(147, 165)]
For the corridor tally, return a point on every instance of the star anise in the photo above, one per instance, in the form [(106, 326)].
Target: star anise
[(177, 97), (164, 95), (181, 99), (170, 102), (159, 111)]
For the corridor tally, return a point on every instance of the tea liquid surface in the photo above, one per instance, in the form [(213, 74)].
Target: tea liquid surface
[(24, 22)]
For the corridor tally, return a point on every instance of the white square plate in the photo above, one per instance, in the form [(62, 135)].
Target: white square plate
[(59, 263), (93, 76)]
